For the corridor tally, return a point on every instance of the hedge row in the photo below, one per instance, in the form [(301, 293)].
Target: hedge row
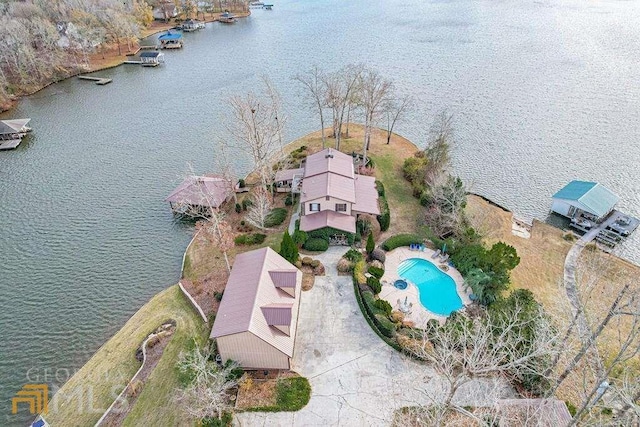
[(379, 318), (385, 216), (392, 342), (400, 240), (275, 217), (249, 239), (316, 244)]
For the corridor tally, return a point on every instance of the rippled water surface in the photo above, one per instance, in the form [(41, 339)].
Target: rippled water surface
[(542, 92)]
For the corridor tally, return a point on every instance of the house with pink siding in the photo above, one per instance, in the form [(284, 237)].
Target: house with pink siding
[(332, 195), (257, 319)]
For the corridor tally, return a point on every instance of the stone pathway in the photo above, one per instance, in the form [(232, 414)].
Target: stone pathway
[(356, 379)]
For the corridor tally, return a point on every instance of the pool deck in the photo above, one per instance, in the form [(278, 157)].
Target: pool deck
[(419, 315)]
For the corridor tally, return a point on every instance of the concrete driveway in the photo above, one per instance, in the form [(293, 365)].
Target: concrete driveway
[(356, 379)]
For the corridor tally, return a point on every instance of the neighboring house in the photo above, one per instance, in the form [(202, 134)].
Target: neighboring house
[(532, 412), (165, 11), (332, 195), (257, 319), (288, 180), (584, 199), (198, 194)]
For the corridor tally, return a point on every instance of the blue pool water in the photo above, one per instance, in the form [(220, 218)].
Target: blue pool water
[(436, 289)]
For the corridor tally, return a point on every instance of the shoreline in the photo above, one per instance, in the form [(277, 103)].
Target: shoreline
[(111, 60)]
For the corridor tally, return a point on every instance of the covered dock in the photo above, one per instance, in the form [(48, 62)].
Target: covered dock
[(12, 132), (171, 40), (151, 58), (197, 195)]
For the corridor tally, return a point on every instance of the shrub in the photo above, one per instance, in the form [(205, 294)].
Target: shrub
[(374, 284), (379, 255), (326, 232), (358, 272), (344, 265), (358, 237), (314, 263), (353, 255), (571, 407), (386, 326), (377, 264), (275, 217), (225, 421), (376, 272), (383, 306), (316, 245), (396, 317), (238, 208), (371, 245), (318, 270), (400, 240), (218, 295), (241, 183), (249, 239), (380, 188), (298, 264), (307, 260), (299, 237), (384, 219), (246, 203), (288, 200)]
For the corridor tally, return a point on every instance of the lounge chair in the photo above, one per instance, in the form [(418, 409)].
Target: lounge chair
[(435, 254), (444, 258)]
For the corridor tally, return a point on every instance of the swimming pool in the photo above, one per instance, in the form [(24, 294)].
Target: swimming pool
[(437, 290)]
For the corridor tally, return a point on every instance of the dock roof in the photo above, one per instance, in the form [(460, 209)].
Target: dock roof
[(210, 191), (170, 36), (12, 126), (150, 54), (589, 196)]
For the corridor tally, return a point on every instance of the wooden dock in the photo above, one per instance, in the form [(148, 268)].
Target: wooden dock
[(99, 80), (10, 144)]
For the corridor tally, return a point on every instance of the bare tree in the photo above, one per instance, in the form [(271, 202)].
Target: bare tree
[(256, 126), (217, 231), (260, 208), (464, 350), (374, 91), (340, 87), (314, 82), (208, 394), (445, 212), (395, 109), (437, 150)]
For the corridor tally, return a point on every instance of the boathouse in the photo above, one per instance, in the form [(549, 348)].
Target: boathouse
[(257, 319), (192, 25), (12, 132), (197, 195), (171, 40), (590, 200), (151, 58)]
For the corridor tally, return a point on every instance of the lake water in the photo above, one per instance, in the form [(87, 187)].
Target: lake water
[(542, 92)]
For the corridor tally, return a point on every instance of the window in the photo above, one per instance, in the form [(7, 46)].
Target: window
[(341, 207), (327, 198), (314, 207)]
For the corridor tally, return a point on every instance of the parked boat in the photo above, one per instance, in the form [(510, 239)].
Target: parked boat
[(256, 5), (268, 7), (227, 18), (192, 25)]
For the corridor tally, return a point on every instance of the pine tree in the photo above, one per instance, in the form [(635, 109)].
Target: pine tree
[(371, 245), (288, 249)]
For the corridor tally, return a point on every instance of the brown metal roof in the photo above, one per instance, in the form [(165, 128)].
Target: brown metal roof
[(249, 288), (288, 174), (333, 219), (209, 191), (366, 195), (277, 314), (328, 184), (329, 160), (284, 278)]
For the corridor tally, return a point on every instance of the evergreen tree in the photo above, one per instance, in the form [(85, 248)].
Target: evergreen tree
[(371, 245), (288, 249)]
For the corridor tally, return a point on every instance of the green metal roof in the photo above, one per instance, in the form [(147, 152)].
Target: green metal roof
[(588, 196)]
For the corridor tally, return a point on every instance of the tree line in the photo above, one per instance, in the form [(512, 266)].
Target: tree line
[(46, 40)]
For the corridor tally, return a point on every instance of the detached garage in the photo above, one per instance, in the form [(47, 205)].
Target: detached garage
[(257, 319)]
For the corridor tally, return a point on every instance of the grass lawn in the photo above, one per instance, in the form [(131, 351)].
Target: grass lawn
[(102, 378)]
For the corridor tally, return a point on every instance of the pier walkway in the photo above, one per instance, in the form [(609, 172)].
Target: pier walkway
[(99, 80)]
